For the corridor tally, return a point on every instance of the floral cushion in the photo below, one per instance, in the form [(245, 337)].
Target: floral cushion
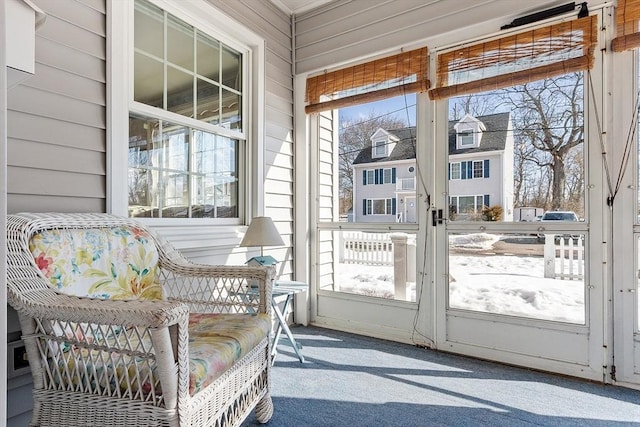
[(108, 263), (216, 342)]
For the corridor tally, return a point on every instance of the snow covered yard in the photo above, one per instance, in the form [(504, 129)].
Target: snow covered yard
[(481, 280)]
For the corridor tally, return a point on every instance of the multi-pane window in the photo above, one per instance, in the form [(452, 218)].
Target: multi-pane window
[(370, 176), (379, 176), (380, 148), (379, 206), (469, 169), (455, 170), (478, 169), (468, 204), (387, 176), (465, 139), (185, 151)]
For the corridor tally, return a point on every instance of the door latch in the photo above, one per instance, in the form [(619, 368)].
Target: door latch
[(437, 217)]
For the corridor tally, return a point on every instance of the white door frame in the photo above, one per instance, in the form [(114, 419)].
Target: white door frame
[(578, 350)]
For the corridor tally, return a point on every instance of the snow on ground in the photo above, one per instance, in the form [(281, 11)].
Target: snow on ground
[(501, 284)]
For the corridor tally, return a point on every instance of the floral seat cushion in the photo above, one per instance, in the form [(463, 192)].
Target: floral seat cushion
[(216, 342), (108, 263), (121, 263)]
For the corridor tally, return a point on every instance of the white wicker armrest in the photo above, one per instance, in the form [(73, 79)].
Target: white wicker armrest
[(218, 287), (148, 314)]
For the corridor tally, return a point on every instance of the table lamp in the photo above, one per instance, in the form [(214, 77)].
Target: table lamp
[(262, 232)]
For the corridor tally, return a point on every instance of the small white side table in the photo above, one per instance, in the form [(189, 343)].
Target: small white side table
[(285, 289)]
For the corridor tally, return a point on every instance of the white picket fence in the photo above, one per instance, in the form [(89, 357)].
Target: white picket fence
[(563, 257), (358, 247), (392, 249)]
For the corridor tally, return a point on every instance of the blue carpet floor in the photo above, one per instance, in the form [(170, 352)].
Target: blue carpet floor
[(354, 381)]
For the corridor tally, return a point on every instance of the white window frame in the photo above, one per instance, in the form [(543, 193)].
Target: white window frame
[(380, 148), (477, 199), (388, 206), (120, 101), (463, 137), (371, 176), (387, 173), (480, 169), (459, 170)]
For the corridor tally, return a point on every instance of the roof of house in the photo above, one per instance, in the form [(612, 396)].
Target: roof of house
[(493, 139)]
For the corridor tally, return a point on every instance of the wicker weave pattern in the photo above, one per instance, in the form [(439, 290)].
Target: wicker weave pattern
[(71, 341)]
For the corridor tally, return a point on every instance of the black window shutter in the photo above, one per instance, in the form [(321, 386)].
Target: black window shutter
[(486, 168)]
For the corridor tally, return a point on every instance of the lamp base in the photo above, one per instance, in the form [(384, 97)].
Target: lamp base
[(262, 260)]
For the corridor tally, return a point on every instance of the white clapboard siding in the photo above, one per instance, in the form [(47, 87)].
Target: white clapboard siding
[(344, 30), (56, 150), (56, 126), (274, 26)]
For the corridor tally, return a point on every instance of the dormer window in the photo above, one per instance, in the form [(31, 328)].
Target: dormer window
[(465, 139), (382, 143), (468, 132)]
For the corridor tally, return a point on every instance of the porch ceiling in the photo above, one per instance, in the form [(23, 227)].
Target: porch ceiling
[(299, 6)]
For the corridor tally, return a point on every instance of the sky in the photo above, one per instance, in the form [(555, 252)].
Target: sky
[(501, 284), (403, 107)]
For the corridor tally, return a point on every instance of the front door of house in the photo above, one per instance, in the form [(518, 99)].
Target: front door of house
[(527, 293)]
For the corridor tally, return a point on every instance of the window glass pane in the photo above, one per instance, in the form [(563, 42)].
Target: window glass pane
[(188, 51), (208, 50), (176, 195), (208, 102), (148, 80), (365, 263), (179, 92), (179, 43), (357, 155), (379, 207), (231, 110), (466, 138), (455, 170), (231, 69), (371, 177), (215, 176), (149, 29), (532, 135), (466, 205), (176, 171), (166, 180), (518, 275), (176, 147), (478, 170)]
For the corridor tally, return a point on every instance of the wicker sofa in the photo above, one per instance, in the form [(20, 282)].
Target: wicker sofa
[(121, 330)]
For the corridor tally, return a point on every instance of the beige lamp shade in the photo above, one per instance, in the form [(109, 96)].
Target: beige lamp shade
[(262, 232)]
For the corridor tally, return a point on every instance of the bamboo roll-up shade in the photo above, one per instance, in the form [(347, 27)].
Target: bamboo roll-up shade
[(517, 59), (405, 72), (627, 29)]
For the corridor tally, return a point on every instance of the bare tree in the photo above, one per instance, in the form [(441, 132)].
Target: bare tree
[(354, 136), (476, 105), (548, 120)]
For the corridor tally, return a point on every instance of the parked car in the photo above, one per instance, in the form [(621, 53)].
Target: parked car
[(559, 216)]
